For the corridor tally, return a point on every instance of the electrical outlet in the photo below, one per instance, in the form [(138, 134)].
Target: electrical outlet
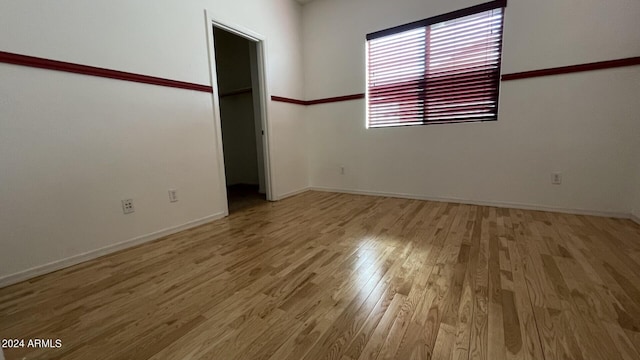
[(556, 178), (173, 195), (127, 206)]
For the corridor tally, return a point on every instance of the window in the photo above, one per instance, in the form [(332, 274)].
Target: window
[(443, 69)]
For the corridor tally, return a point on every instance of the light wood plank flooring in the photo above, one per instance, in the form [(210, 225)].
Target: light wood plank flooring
[(336, 276)]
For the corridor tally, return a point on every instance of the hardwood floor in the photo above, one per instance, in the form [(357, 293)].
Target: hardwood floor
[(336, 276)]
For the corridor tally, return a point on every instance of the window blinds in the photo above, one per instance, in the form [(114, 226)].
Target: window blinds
[(440, 70)]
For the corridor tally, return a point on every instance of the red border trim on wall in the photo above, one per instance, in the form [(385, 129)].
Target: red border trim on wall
[(318, 101), (573, 68), (609, 64), (336, 99), (288, 100), (42, 63), (32, 61)]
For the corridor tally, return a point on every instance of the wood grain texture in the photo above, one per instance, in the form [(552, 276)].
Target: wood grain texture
[(338, 276)]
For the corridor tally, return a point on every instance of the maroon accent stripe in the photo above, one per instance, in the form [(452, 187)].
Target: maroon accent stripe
[(574, 68), (336, 99), (288, 100), (318, 101), (32, 61)]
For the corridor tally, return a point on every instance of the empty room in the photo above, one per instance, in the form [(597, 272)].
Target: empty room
[(320, 179)]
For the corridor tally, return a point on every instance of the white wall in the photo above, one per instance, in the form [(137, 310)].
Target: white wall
[(72, 146), (583, 125)]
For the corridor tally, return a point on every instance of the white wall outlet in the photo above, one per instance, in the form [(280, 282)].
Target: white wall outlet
[(341, 170), (173, 195), (127, 206), (556, 178)]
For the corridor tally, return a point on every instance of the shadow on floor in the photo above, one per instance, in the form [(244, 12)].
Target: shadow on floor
[(242, 196)]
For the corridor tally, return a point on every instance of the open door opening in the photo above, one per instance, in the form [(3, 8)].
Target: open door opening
[(241, 119)]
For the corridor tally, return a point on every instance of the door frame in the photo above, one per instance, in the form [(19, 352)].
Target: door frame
[(261, 46)]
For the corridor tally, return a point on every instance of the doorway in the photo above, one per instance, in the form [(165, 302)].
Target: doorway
[(242, 118)]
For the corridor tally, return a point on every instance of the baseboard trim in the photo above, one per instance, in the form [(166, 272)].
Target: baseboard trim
[(477, 202), (93, 254), (292, 193), (90, 255)]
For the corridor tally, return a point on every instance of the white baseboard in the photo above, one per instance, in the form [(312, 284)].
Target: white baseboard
[(93, 254), (292, 193), (478, 202)]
